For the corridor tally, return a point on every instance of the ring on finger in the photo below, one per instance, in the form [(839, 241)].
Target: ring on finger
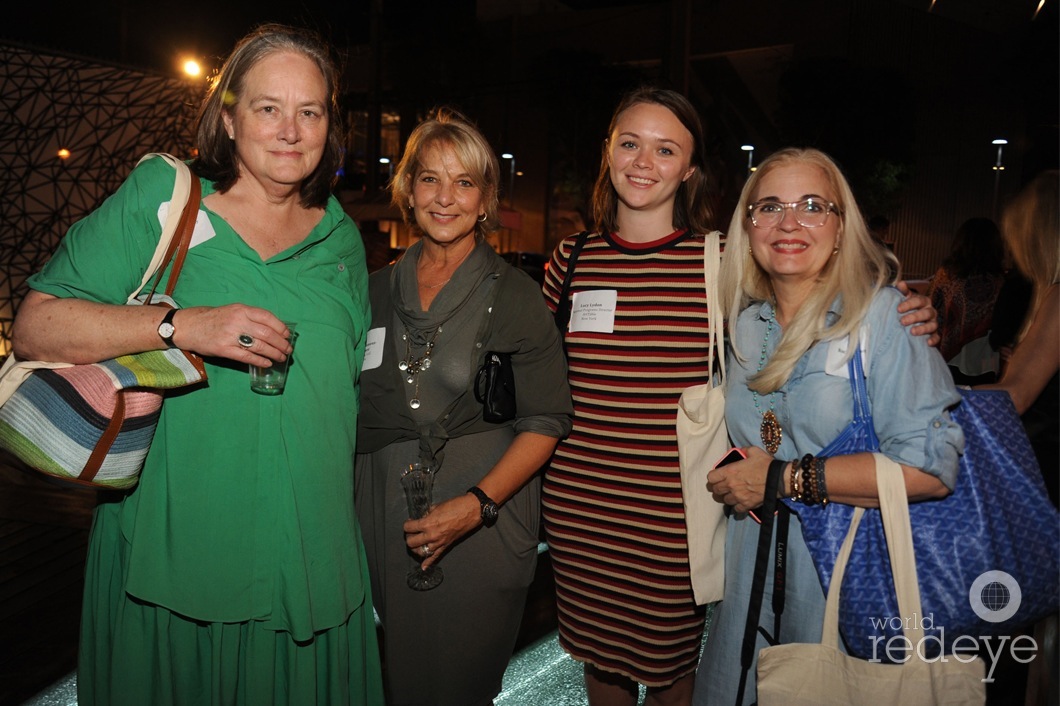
[(245, 340), (426, 549)]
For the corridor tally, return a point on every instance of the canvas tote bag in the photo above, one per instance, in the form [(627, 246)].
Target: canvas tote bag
[(702, 440), (820, 675)]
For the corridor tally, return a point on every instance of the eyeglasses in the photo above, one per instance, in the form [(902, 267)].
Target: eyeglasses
[(809, 213)]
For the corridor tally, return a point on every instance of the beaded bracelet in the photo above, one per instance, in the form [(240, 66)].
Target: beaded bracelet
[(819, 468), (809, 478), (796, 493)]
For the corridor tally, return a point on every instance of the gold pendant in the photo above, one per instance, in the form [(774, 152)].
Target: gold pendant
[(771, 432)]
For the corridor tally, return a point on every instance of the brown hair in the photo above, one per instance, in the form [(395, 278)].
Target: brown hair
[(692, 203), (217, 153)]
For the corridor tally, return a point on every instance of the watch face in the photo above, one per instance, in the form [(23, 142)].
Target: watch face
[(489, 513), (166, 330)]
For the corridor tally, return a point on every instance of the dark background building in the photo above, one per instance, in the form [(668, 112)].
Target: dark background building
[(907, 94)]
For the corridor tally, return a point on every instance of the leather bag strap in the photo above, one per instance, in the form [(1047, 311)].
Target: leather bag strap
[(180, 243), (562, 315)]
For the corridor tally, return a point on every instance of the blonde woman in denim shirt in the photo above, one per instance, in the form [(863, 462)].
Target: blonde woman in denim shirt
[(803, 278)]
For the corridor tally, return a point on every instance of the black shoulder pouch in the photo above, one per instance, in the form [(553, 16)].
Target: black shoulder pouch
[(495, 388)]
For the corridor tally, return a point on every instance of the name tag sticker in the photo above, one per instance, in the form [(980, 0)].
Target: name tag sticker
[(594, 311), (836, 363), (373, 348)]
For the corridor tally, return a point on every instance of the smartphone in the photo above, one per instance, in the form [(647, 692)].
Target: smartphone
[(732, 456)]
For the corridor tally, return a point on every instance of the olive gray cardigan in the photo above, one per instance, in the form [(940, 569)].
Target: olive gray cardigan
[(517, 322)]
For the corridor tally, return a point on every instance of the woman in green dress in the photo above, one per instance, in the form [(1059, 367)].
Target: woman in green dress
[(234, 573)]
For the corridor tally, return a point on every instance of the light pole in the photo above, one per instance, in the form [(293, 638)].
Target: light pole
[(389, 168), (511, 179), (998, 168), (750, 150)]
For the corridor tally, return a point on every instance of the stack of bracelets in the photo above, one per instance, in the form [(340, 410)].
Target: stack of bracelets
[(808, 486)]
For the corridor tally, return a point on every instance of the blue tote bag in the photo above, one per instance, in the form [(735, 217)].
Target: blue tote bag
[(987, 555)]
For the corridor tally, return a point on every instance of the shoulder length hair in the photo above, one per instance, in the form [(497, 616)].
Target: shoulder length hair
[(853, 275), (447, 127), (217, 153), (692, 203), (1031, 229)]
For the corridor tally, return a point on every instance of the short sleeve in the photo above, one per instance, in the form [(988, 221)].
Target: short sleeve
[(103, 257)]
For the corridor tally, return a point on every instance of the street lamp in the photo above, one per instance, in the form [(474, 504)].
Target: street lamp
[(998, 168), (750, 150), (511, 179), (389, 168)]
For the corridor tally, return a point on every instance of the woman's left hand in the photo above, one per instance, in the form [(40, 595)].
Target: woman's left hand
[(742, 484), (918, 310), (429, 537)]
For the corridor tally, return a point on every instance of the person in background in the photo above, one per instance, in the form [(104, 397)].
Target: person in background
[(1031, 228), (802, 280), (234, 573), (436, 314), (963, 290), (613, 508)]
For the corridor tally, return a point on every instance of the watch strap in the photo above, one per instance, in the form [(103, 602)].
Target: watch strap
[(480, 494), (167, 319), (489, 507)]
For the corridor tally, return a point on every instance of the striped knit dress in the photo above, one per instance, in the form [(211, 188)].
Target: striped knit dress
[(612, 494)]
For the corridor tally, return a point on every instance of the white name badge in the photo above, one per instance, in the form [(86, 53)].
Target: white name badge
[(835, 363), (373, 349), (594, 311), (203, 230)]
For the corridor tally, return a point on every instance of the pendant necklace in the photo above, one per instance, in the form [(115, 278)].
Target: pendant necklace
[(412, 367), (770, 430)]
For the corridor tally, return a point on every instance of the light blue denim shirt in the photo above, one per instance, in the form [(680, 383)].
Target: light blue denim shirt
[(908, 383)]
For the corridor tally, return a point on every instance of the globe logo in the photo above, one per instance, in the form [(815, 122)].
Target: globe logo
[(995, 596)]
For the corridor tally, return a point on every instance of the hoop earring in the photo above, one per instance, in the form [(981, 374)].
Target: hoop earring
[(482, 218)]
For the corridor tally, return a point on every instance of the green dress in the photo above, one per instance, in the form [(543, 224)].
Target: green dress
[(235, 571)]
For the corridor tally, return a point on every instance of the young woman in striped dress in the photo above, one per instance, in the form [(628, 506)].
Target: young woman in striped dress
[(638, 337)]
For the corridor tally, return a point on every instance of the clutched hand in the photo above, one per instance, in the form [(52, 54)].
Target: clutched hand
[(919, 314), (741, 484), (431, 536), (238, 332)]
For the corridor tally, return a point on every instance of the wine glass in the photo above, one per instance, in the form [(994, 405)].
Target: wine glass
[(418, 481)]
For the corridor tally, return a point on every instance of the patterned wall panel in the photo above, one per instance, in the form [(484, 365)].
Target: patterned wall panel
[(106, 116)]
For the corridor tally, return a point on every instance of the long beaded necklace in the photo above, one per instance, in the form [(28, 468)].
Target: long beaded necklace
[(770, 430), (412, 367)]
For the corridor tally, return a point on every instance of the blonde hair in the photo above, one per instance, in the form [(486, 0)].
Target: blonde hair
[(446, 127), (1031, 229), (854, 274)]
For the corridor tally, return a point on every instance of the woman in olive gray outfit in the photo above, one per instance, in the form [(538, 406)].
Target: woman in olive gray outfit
[(436, 313)]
